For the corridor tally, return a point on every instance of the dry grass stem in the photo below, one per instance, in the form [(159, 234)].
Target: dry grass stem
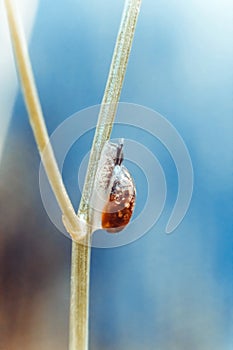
[(80, 264), (37, 120)]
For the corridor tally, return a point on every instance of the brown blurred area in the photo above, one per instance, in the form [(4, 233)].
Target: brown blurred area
[(34, 259)]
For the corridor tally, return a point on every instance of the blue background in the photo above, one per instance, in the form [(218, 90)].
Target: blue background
[(161, 292)]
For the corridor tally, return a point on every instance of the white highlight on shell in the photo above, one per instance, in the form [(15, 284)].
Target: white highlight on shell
[(106, 166)]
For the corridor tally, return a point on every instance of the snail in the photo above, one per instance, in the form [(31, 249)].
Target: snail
[(114, 190)]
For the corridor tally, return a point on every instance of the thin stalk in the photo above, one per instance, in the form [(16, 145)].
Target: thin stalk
[(80, 263), (37, 120)]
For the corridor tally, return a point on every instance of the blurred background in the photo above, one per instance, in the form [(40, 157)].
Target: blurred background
[(160, 292)]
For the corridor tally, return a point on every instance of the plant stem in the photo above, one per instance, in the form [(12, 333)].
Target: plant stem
[(80, 264), (37, 120)]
